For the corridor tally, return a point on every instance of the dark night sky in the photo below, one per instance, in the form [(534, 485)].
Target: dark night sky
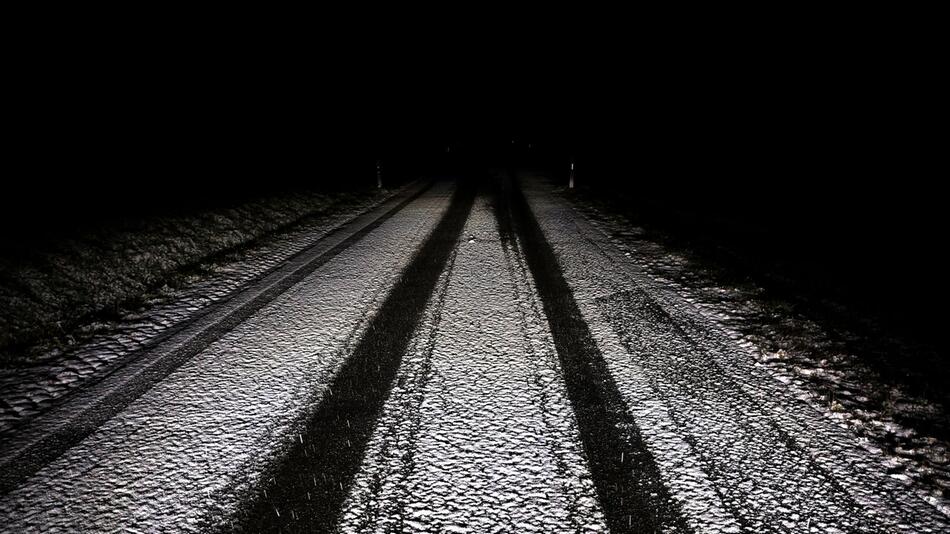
[(740, 125), (829, 142)]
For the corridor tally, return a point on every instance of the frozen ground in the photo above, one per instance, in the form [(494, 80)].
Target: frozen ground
[(193, 444), (478, 434), (56, 288), (837, 371), (775, 459), (218, 253), (529, 397)]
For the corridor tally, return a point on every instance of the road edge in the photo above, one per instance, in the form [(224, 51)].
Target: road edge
[(49, 435)]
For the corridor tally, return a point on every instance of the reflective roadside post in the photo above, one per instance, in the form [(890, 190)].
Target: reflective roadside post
[(570, 183), (379, 174)]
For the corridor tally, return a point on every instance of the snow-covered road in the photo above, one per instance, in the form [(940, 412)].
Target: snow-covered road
[(546, 385), (738, 449), (193, 444), (478, 434)]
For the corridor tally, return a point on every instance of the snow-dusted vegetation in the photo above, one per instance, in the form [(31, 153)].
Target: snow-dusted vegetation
[(83, 275)]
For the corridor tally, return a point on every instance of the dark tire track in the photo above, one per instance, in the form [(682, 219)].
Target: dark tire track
[(639, 322), (53, 433), (415, 383), (625, 474), (306, 490)]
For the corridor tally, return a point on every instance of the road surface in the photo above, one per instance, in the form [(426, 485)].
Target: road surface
[(475, 357)]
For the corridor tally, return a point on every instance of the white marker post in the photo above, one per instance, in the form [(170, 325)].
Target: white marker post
[(379, 174), (570, 183)]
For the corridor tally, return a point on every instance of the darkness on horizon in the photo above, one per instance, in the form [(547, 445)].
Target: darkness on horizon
[(828, 177)]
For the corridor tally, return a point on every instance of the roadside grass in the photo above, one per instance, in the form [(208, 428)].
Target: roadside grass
[(54, 292)]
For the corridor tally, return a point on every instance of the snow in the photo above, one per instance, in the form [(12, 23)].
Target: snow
[(831, 368), (478, 435), (734, 443), (207, 276), (183, 455)]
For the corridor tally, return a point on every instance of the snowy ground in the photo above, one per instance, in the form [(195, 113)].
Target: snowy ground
[(483, 429), (831, 367), (721, 426), (218, 253), (478, 434), (57, 289), (195, 442)]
